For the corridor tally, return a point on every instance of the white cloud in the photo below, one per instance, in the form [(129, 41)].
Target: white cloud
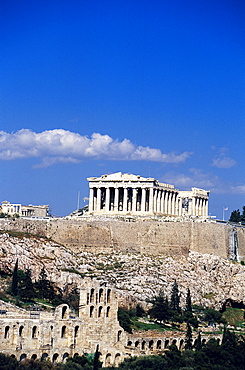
[(223, 162), (195, 178), (199, 179), (60, 145)]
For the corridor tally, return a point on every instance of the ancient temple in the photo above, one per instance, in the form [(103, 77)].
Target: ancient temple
[(126, 194)]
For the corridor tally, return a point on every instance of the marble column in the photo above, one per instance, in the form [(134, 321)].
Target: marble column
[(151, 199), (91, 200), (159, 201), (143, 198), (134, 200), (107, 199), (125, 199), (98, 199), (116, 199)]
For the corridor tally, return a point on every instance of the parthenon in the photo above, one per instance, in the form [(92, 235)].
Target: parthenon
[(126, 194)]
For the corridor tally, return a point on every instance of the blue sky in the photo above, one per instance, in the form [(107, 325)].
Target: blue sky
[(154, 88)]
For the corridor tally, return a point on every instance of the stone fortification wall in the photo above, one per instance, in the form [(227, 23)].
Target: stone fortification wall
[(149, 237)]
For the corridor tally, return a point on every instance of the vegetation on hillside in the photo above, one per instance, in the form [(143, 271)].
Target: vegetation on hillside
[(236, 216)]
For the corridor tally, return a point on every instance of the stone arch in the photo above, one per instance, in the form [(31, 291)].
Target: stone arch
[(92, 295), (64, 312), (143, 345), (34, 357), (119, 335), (21, 328), (44, 356), (108, 298), (23, 356), (64, 357), (63, 331), (136, 344), (166, 344), (55, 357), (108, 311), (159, 344), (91, 311), (6, 332), (108, 361), (129, 344), (151, 343), (76, 329), (174, 342), (117, 359), (34, 332), (101, 293), (100, 311), (181, 345)]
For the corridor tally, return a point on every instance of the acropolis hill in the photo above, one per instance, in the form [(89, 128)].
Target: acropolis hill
[(132, 214)]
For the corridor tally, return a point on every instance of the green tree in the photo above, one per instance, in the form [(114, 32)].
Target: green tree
[(211, 315), (175, 298), (26, 288), (188, 337), (160, 309), (15, 280), (45, 287), (124, 320), (198, 344), (188, 307), (235, 216)]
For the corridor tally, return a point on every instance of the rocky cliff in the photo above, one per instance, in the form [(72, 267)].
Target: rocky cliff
[(212, 279)]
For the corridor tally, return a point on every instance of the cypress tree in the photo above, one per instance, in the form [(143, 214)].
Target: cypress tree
[(188, 307), (175, 298), (15, 280), (188, 337)]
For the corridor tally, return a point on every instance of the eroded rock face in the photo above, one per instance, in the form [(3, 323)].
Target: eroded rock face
[(212, 280)]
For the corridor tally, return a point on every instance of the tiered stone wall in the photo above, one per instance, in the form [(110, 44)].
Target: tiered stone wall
[(148, 237)]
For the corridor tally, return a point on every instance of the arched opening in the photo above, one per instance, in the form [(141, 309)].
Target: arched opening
[(34, 332), (108, 312), (159, 344), (108, 360), (136, 344), (143, 345), (101, 295), (44, 357), (64, 357), (174, 342), (92, 295), (63, 331), (76, 331), (108, 296), (22, 357), (91, 313), (129, 344), (117, 359), (100, 311), (34, 357), (151, 344), (119, 335), (64, 312), (55, 357), (6, 332), (203, 342), (166, 344), (21, 331)]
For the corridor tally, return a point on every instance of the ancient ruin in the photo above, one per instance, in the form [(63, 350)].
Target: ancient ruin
[(16, 209), (56, 336), (124, 194)]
